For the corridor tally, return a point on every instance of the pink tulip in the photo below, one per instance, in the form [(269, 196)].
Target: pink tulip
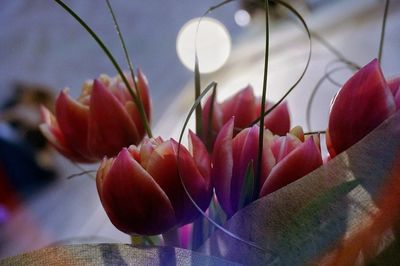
[(362, 104), (285, 159), (141, 190), (102, 121), (245, 107)]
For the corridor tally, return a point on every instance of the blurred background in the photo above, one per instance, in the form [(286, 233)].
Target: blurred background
[(43, 50)]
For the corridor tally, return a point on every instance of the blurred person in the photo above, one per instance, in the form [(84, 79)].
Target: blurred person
[(25, 157)]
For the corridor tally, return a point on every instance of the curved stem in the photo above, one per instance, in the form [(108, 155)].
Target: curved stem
[(263, 102)]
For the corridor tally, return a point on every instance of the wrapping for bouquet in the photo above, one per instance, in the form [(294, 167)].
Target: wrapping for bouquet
[(354, 197)]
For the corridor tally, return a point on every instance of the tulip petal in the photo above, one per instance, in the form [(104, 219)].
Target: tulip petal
[(241, 106), (394, 85), (133, 200), (278, 121), (50, 129), (197, 186), (200, 156), (162, 166), (72, 117), (110, 127), (134, 114), (298, 163), (222, 162), (282, 146), (216, 122), (144, 92), (362, 104), (245, 150)]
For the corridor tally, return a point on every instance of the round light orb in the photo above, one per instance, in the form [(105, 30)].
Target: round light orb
[(213, 44), (242, 17)]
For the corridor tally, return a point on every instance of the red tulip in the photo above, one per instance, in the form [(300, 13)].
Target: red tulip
[(102, 121), (245, 107), (142, 192), (361, 105), (285, 159)]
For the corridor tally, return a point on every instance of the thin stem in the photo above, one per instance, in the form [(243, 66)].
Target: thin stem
[(297, 14), (315, 132), (333, 50), (197, 90), (315, 90), (130, 65), (86, 172), (83, 171), (263, 101), (210, 120), (383, 31)]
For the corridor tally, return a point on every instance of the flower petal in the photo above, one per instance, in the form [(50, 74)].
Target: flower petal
[(216, 117), (362, 104), (132, 199), (53, 134), (222, 162), (200, 156), (278, 121), (110, 127), (282, 146), (245, 150), (197, 186), (298, 163), (144, 92), (72, 117), (241, 106), (162, 166)]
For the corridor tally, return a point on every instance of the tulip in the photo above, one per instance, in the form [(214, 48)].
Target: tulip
[(245, 107), (284, 160), (362, 104), (141, 189), (99, 123)]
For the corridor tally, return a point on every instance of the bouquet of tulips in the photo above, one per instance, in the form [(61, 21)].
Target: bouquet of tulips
[(256, 187)]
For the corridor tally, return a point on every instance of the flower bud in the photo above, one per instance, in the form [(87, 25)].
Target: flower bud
[(99, 123), (141, 189), (361, 105), (245, 107), (284, 160)]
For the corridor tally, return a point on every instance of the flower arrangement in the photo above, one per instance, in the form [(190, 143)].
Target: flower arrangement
[(249, 187)]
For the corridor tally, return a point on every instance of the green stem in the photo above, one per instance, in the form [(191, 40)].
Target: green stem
[(383, 31), (130, 65), (297, 14), (263, 100), (136, 240)]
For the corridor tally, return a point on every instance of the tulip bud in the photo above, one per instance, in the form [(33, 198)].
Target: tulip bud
[(99, 123), (245, 107), (361, 105), (285, 159), (141, 189)]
